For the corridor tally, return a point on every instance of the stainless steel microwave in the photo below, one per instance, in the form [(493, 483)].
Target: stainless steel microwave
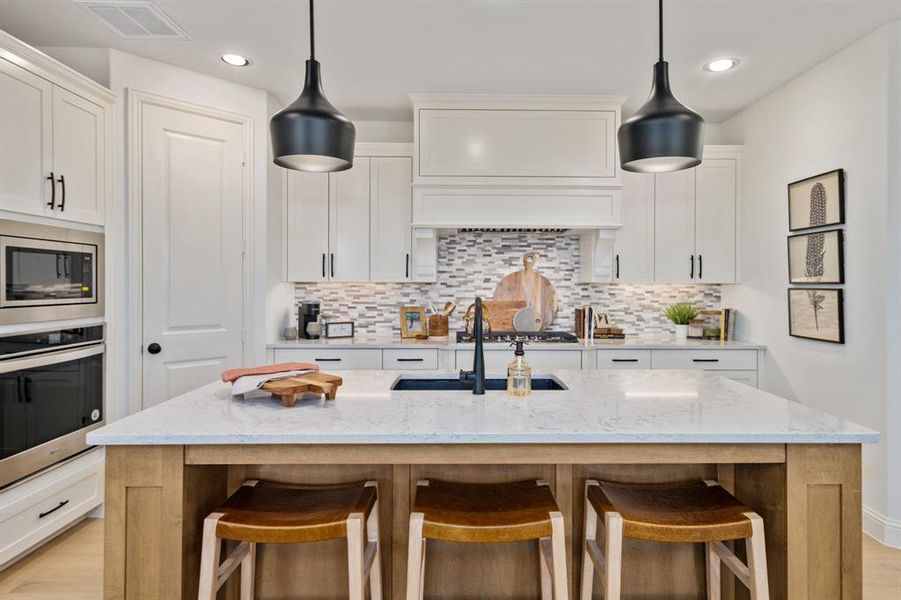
[(49, 273)]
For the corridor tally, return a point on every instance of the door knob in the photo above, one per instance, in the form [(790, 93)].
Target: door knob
[(154, 348)]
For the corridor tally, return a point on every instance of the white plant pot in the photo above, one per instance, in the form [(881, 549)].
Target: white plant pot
[(681, 332)]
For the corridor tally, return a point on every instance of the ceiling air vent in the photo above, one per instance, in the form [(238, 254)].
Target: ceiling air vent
[(134, 19)]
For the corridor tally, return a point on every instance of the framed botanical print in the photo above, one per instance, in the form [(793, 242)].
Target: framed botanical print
[(816, 314), (816, 257), (817, 201)]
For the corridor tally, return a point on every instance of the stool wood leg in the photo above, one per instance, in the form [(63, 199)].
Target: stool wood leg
[(415, 558), (209, 559), (558, 543), (372, 537), (589, 539), (613, 551), (760, 588), (355, 557), (547, 588), (425, 544), (714, 581), (248, 568)]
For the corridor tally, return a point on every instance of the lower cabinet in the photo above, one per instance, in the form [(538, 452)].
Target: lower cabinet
[(623, 359), (333, 360), (37, 508), (497, 360), (409, 359)]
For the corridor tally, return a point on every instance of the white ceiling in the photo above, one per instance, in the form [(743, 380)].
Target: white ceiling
[(374, 52)]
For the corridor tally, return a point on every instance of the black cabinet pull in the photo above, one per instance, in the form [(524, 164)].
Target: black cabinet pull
[(52, 203), (407, 263), (692, 266), (617, 266), (59, 272), (65, 265), (705, 360), (326, 360), (154, 348), (28, 386), (700, 266), (629, 360), (409, 360), (62, 183), (332, 261), (323, 265), (53, 510), (20, 389)]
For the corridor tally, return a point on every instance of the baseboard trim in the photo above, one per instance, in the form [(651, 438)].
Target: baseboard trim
[(881, 528)]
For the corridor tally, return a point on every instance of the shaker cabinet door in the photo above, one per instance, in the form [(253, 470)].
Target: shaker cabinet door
[(674, 227), (349, 223), (307, 226), (25, 140), (390, 213), (715, 198), (633, 251), (78, 157)]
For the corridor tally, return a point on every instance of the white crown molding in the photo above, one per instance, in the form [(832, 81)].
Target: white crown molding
[(383, 149), (519, 101)]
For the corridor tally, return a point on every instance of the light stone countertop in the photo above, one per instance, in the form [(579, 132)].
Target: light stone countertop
[(632, 342), (629, 406)]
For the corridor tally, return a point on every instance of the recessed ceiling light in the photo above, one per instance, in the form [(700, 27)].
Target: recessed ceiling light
[(235, 60), (721, 64)]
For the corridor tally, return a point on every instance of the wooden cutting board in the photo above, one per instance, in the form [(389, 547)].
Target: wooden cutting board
[(319, 383), (501, 313), (532, 287)]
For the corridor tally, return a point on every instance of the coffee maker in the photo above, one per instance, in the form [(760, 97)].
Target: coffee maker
[(307, 313)]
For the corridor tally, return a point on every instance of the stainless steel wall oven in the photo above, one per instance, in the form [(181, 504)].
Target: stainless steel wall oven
[(49, 273), (51, 395)]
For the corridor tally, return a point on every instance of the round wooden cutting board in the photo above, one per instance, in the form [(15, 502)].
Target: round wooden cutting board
[(531, 286)]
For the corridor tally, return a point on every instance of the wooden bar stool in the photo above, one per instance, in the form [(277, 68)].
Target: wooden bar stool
[(488, 512), (264, 512), (698, 512)]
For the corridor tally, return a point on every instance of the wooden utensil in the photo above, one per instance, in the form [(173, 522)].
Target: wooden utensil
[(501, 313), (319, 383), (532, 287), (449, 308), (527, 320)]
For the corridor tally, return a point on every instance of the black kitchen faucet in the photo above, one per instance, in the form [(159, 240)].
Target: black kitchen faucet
[(476, 377)]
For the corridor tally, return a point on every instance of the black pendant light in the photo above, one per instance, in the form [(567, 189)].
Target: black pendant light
[(311, 134), (664, 134)]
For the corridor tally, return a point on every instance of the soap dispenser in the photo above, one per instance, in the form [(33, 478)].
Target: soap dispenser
[(519, 372)]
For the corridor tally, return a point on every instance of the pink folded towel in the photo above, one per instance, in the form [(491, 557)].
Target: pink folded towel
[(232, 375)]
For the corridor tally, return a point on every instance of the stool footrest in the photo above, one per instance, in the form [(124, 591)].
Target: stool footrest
[(231, 563), (733, 562), (597, 556)]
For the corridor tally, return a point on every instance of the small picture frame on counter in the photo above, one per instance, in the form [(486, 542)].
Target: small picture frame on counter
[(338, 329), (413, 322)]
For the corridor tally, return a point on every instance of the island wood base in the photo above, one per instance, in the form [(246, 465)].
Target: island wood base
[(157, 498)]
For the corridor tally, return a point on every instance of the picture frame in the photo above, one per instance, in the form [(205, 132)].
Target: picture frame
[(413, 321), (816, 314), (816, 257), (817, 201)]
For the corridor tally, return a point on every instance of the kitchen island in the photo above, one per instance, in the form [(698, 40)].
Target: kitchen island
[(170, 465)]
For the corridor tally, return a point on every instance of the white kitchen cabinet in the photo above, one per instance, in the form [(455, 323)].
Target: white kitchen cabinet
[(78, 157), (348, 194), (307, 226), (497, 360), (409, 359), (390, 215), (25, 139), (332, 359), (633, 250), (695, 222), (706, 359), (623, 359)]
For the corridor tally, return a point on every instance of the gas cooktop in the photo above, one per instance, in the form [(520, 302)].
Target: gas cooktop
[(549, 337)]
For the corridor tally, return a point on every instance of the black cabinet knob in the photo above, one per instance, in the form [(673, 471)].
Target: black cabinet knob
[(154, 348)]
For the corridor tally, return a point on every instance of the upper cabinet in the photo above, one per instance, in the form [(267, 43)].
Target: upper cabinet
[(515, 140), (354, 225), (54, 137), (633, 250)]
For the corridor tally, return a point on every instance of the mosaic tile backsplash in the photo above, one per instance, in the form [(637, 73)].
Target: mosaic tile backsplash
[(471, 263)]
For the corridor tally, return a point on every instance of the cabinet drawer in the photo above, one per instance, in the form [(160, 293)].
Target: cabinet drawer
[(497, 360), (409, 359), (333, 359), (711, 360), (41, 506), (624, 359)]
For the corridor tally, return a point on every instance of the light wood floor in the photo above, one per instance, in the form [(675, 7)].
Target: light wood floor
[(70, 568)]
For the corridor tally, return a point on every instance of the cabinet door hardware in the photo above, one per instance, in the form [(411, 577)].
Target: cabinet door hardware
[(323, 265), (52, 203), (154, 348), (62, 184), (692, 276), (407, 264), (705, 360), (409, 359), (700, 266), (617, 266), (332, 261), (53, 510), (625, 360), (326, 360)]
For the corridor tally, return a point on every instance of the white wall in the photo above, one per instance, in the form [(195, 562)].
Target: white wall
[(836, 115)]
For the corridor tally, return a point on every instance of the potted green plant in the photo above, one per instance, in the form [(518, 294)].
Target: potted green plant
[(681, 315)]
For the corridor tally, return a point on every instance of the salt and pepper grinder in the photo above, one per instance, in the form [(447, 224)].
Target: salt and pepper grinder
[(519, 372)]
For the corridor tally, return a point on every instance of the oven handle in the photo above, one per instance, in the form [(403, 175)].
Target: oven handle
[(51, 358)]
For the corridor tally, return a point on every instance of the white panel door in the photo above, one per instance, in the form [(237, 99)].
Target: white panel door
[(390, 214), (307, 227), (674, 227), (78, 155), (715, 195), (633, 251), (25, 140), (349, 223), (192, 176)]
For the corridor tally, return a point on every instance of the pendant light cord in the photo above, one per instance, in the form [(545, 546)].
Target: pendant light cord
[(313, 34), (660, 26)]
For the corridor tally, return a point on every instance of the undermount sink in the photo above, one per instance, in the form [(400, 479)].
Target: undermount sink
[(450, 384)]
